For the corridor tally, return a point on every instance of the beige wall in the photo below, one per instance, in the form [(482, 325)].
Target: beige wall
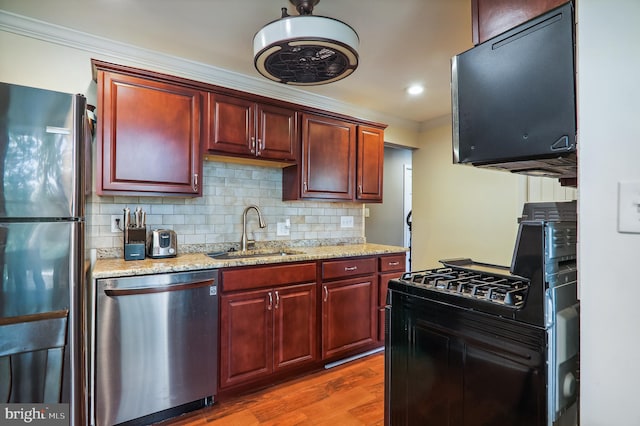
[(460, 211), (31, 62), (608, 93)]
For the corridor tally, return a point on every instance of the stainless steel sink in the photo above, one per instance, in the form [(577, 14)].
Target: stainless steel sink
[(251, 253)]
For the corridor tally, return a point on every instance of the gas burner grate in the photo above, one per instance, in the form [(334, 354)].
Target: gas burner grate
[(472, 285)]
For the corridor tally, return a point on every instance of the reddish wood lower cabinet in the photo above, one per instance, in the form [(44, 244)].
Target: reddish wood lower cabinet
[(246, 342), (283, 319), (295, 324), (347, 316), (267, 330), (264, 331), (349, 296), (390, 267)]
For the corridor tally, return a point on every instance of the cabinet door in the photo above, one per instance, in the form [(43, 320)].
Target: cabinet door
[(370, 164), (492, 17), (246, 336), (232, 125), (277, 133), (328, 158), (348, 315), (390, 267), (295, 335), (383, 286), (149, 138)]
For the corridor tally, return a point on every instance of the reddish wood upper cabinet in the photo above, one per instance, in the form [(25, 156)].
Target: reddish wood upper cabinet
[(492, 17), (242, 127), (268, 330), (328, 155), (340, 160), (149, 134), (370, 162)]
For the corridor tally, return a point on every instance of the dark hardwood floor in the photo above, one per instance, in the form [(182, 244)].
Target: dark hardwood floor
[(350, 394)]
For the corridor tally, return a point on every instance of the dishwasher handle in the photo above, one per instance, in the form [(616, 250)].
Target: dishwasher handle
[(130, 291)]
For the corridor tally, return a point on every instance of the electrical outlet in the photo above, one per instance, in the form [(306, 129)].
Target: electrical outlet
[(283, 227), (116, 223), (346, 221)]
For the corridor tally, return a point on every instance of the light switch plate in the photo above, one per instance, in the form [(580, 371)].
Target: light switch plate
[(629, 207), (346, 221)]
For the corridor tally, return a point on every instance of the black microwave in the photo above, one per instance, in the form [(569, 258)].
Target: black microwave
[(514, 99)]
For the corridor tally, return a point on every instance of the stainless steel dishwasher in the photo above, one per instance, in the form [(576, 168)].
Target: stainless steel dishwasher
[(155, 344)]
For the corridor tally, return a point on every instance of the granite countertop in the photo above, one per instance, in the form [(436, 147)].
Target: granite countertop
[(108, 268)]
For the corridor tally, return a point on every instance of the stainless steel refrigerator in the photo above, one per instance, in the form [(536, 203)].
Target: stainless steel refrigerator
[(43, 147)]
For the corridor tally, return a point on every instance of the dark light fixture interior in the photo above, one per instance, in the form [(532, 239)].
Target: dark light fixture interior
[(305, 50)]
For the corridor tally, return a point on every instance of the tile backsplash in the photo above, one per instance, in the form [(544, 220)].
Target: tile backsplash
[(213, 222)]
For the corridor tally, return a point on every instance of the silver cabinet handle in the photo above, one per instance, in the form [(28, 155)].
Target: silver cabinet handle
[(304, 186), (270, 301), (253, 144), (195, 182), (350, 268), (277, 300), (326, 293), (360, 189), (394, 263)]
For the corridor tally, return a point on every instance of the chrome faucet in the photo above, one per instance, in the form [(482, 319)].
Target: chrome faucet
[(244, 241)]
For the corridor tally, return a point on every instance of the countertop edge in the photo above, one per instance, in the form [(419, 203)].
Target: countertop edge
[(110, 268)]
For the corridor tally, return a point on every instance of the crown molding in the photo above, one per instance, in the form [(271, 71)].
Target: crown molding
[(127, 54)]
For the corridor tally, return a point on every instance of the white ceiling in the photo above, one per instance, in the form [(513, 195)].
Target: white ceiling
[(401, 41)]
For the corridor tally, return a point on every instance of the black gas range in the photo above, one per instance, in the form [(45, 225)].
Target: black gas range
[(472, 343)]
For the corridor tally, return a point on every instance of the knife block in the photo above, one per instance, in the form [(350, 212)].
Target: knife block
[(135, 243)]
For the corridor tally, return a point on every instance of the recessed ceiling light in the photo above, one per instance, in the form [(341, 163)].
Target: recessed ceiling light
[(415, 89)]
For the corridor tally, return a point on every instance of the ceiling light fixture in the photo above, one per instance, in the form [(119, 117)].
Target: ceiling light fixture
[(415, 89), (305, 50)]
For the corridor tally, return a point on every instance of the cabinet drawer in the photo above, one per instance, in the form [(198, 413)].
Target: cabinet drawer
[(348, 268), (392, 263), (268, 276)]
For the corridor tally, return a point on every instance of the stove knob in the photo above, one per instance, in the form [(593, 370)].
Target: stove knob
[(569, 385)]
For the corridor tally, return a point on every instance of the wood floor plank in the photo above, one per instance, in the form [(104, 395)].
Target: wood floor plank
[(348, 395)]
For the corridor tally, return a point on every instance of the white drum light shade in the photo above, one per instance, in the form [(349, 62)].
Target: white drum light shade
[(306, 50)]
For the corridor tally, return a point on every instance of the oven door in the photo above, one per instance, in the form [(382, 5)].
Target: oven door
[(452, 366)]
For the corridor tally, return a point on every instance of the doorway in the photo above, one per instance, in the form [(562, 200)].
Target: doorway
[(386, 223)]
